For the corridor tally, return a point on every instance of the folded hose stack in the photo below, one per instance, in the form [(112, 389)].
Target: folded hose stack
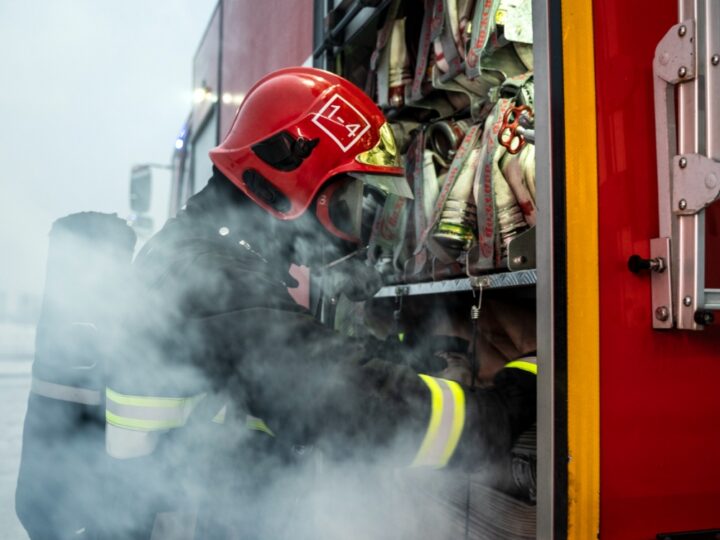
[(456, 81)]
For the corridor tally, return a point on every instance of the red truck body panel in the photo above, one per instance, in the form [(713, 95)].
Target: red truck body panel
[(659, 402), (206, 72), (260, 37)]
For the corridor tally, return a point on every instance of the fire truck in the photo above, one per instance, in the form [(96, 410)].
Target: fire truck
[(618, 101)]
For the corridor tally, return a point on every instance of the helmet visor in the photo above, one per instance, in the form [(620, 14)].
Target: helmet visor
[(384, 153), (341, 204), (339, 208)]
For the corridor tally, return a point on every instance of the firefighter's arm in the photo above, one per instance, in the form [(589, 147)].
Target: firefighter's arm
[(314, 386), (467, 426)]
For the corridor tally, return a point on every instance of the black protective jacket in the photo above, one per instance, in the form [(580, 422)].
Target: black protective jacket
[(215, 318)]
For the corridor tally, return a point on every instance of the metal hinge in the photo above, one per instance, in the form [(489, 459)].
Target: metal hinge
[(686, 92)]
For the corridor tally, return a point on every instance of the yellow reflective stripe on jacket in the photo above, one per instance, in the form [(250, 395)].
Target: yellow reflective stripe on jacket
[(148, 413), (447, 418), (251, 422), (257, 424), (219, 418), (528, 364)]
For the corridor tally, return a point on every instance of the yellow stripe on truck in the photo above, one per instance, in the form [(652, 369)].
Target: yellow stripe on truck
[(583, 311)]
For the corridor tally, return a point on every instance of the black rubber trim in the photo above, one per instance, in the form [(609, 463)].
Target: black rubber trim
[(283, 152), (263, 189), (318, 28), (221, 31), (559, 241), (707, 534)]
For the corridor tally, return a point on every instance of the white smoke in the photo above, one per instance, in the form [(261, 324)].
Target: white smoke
[(80, 117), (326, 479)]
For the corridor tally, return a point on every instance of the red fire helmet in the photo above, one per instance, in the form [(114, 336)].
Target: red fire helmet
[(295, 130)]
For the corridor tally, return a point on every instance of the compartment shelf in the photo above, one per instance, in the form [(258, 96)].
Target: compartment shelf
[(503, 280)]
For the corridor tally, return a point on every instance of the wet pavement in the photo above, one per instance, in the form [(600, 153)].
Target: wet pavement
[(14, 388)]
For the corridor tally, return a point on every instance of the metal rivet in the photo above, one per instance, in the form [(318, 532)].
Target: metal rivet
[(662, 313), (682, 72), (682, 162), (519, 259), (333, 301), (682, 30), (715, 59), (711, 181), (687, 301), (682, 205), (223, 231)]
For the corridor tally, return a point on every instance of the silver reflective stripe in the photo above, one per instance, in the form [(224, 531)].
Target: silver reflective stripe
[(447, 418), (63, 392), (122, 443)]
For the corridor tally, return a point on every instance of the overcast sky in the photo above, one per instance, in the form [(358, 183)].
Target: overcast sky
[(87, 89)]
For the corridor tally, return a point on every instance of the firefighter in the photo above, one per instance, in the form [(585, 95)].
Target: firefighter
[(217, 360)]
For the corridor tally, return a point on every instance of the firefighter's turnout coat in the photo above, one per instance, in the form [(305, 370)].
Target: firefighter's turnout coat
[(221, 381)]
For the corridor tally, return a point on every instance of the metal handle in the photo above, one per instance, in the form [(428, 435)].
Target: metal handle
[(637, 264)]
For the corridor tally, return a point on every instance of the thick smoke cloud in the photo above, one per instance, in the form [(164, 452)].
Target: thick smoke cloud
[(306, 482)]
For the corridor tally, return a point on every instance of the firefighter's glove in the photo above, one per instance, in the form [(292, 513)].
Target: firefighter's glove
[(354, 278)]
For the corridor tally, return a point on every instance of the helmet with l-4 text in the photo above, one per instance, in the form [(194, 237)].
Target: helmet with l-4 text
[(298, 128)]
